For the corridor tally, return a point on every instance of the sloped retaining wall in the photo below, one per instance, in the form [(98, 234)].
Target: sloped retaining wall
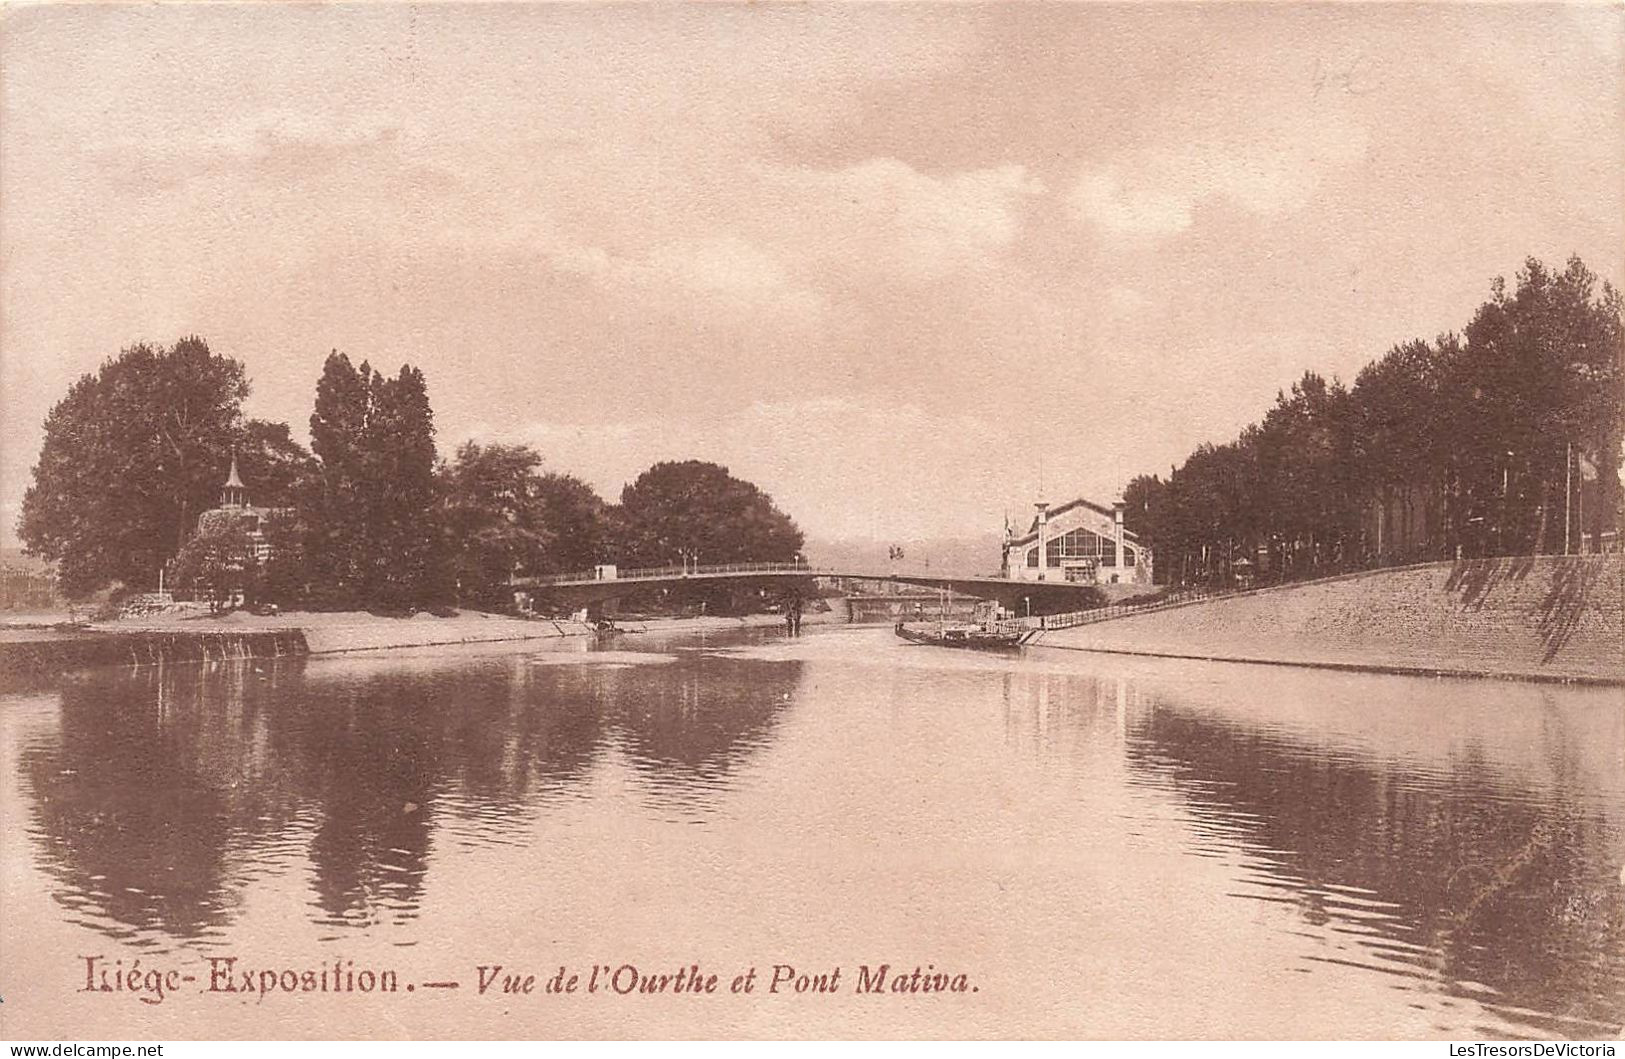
[(58, 654), (1533, 617)]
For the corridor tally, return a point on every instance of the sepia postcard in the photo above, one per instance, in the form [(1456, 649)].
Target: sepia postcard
[(557, 521)]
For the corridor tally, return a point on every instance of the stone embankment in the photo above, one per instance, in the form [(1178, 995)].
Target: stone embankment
[(167, 639), (40, 655), (1556, 618), (172, 639)]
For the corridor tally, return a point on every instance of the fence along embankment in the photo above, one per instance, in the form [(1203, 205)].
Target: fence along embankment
[(1530, 617)]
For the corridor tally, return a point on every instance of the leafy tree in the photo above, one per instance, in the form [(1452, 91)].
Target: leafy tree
[(495, 517), (131, 455), (216, 561), (1145, 514), (1542, 376), (285, 575), (1462, 446), (502, 516), (276, 469), (697, 511), (578, 521), (1403, 450)]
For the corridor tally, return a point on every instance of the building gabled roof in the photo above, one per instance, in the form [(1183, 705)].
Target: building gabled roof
[(1032, 531)]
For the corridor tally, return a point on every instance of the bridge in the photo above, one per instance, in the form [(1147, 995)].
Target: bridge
[(589, 587)]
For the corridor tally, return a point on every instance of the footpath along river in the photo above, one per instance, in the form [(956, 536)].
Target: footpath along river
[(1099, 845)]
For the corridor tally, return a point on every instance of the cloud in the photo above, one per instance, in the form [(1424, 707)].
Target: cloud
[(884, 213), (724, 270), (1157, 191)]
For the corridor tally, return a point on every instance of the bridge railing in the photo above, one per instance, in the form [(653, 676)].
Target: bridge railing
[(1183, 596), (651, 573)]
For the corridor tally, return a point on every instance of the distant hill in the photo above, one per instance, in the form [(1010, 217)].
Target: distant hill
[(960, 556)]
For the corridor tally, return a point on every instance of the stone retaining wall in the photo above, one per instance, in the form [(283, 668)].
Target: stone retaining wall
[(32, 657), (1539, 617)]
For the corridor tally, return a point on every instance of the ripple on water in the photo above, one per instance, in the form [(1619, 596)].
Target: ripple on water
[(603, 659)]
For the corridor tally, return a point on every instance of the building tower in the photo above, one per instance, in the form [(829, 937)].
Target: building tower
[(233, 494), (1043, 537), (1117, 537)]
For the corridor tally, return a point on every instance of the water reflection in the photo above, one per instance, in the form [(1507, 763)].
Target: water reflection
[(1479, 864), (1460, 843), (162, 793), (686, 735)]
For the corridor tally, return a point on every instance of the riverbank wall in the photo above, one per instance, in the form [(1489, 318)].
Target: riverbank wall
[(382, 634), (32, 657), (163, 640), (1559, 618)]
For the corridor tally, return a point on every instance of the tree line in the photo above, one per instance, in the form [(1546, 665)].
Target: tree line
[(129, 481), (1504, 439)]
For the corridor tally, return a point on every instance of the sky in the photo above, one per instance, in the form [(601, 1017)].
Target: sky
[(908, 267)]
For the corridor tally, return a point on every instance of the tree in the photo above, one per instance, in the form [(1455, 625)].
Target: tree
[(1145, 514), (372, 538), (276, 469), (132, 454), (577, 520), (1542, 368), (698, 512), (217, 562), (409, 562), (285, 575), (502, 516), (338, 541), (495, 518), (1465, 446)]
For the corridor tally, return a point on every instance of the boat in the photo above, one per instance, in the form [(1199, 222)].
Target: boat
[(975, 637)]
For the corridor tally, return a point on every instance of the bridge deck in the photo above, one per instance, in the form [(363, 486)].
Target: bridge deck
[(587, 584)]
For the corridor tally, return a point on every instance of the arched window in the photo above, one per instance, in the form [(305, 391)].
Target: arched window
[(1082, 544)]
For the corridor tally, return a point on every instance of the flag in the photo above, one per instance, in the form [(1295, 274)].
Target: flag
[(1588, 470)]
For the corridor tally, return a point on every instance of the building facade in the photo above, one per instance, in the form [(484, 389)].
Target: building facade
[(1078, 541)]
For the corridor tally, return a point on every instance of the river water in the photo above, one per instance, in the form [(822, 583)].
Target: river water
[(1080, 845)]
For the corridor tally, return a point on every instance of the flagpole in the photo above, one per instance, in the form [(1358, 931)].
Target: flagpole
[(1580, 502), (1568, 491)]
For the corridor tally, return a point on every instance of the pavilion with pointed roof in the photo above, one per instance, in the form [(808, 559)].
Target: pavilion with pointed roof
[(234, 508)]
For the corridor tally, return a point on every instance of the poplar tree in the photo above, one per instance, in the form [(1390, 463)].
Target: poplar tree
[(409, 566), (337, 540), (372, 536)]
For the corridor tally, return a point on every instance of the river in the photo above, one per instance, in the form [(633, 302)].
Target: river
[(1078, 845)]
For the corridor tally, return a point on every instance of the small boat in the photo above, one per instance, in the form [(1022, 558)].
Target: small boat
[(975, 637)]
